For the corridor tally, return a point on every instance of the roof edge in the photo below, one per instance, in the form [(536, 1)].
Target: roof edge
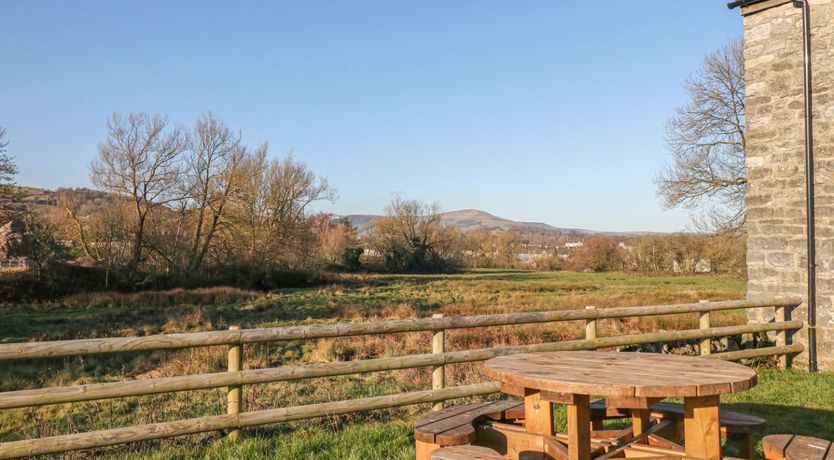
[(754, 6)]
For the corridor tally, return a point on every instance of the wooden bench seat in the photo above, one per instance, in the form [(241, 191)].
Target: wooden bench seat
[(455, 426), (458, 425), (732, 422), (466, 453), (790, 447), (734, 425)]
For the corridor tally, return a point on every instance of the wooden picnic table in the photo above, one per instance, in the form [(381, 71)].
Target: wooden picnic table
[(632, 381)]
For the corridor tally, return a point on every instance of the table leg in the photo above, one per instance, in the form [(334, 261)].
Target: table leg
[(579, 428), (702, 427), (538, 414), (640, 420)]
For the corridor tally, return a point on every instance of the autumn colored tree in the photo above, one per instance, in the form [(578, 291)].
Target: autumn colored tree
[(597, 254), (411, 237)]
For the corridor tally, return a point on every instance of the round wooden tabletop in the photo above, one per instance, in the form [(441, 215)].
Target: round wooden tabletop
[(621, 374)]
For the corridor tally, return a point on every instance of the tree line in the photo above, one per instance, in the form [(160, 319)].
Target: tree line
[(180, 206)]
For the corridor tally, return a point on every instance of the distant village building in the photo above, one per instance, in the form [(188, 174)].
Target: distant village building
[(530, 258), (692, 266), (777, 262), (573, 244)]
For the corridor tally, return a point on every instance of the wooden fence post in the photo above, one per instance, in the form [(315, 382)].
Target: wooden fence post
[(234, 395), (782, 337), (590, 325), (438, 373), (706, 344)]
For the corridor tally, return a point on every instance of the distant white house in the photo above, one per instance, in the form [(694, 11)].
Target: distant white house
[(529, 258), (573, 244), (700, 266)]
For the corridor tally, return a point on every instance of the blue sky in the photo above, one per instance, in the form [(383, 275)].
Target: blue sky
[(546, 111)]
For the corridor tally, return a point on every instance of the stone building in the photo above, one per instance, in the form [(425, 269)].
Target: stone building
[(776, 254)]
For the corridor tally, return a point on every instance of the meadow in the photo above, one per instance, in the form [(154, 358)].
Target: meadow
[(379, 434)]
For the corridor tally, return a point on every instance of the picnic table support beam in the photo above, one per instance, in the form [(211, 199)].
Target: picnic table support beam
[(438, 373), (579, 428), (234, 394), (702, 428), (640, 421), (538, 414)]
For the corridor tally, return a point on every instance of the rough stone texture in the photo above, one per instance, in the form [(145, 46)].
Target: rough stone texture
[(776, 254)]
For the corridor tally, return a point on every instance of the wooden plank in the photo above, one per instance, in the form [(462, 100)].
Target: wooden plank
[(631, 402), (538, 414), (735, 422), (466, 453), (451, 426), (640, 421), (555, 450), (560, 398), (460, 428), (775, 445), (512, 440), (761, 6), (446, 413), (423, 450), (620, 375), (625, 445), (655, 440), (579, 428), (702, 430), (807, 448)]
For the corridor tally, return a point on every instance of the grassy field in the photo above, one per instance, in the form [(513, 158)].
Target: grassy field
[(380, 434)]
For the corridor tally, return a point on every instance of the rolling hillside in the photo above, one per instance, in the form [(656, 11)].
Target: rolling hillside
[(474, 219)]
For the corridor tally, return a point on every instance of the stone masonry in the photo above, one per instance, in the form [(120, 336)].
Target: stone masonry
[(776, 254)]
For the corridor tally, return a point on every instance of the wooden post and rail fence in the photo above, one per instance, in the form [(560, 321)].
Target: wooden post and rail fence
[(235, 379)]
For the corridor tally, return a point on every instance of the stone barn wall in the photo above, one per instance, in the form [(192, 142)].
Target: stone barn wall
[(776, 254)]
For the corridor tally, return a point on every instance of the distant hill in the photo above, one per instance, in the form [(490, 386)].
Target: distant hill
[(464, 219), (475, 219)]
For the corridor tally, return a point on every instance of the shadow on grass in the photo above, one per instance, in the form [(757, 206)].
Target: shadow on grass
[(818, 423)]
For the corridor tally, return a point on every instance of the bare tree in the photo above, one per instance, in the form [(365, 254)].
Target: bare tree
[(9, 195), (213, 176), (270, 212), (141, 160), (706, 138), (72, 206), (411, 236)]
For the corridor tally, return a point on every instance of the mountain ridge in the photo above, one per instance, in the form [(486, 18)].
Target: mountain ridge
[(476, 219)]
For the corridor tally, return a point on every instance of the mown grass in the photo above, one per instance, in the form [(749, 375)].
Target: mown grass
[(386, 433)]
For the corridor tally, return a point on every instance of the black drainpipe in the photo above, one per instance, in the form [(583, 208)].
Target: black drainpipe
[(809, 186), (809, 177)]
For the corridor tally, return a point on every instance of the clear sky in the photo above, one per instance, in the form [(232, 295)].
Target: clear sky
[(546, 111)]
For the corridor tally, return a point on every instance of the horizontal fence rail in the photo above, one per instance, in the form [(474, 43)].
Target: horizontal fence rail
[(236, 379), (148, 432), (63, 348), (95, 391)]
